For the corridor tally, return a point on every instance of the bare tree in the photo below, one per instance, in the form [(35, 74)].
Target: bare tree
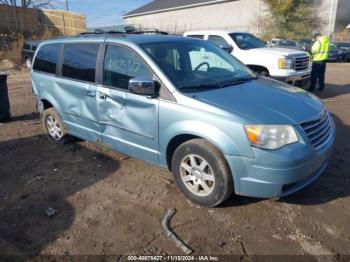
[(28, 3)]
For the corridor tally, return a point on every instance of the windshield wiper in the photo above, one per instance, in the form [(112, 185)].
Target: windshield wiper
[(231, 82), (238, 81), (201, 86)]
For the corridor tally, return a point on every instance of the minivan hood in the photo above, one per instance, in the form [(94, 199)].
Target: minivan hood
[(264, 101), (276, 51)]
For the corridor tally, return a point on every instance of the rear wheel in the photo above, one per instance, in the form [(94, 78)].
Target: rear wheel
[(202, 173), (53, 126)]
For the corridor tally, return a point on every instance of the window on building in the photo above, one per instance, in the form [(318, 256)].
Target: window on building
[(120, 65), (217, 40), (79, 61), (46, 59)]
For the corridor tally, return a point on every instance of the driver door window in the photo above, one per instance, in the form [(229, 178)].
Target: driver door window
[(120, 65)]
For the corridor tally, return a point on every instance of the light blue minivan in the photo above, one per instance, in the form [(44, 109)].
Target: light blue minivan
[(185, 105)]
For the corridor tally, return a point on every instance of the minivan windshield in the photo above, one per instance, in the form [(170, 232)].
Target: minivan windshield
[(247, 41), (197, 65)]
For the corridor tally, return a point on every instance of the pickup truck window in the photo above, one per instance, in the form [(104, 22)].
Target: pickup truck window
[(247, 41), (196, 36), (120, 65), (79, 61), (46, 59), (218, 40)]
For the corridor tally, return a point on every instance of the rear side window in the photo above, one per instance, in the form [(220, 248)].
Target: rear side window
[(46, 58), (217, 40), (79, 61), (196, 36)]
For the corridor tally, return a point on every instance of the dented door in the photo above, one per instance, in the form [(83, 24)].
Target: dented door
[(129, 122)]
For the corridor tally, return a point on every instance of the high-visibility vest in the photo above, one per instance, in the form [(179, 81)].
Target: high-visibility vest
[(320, 49)]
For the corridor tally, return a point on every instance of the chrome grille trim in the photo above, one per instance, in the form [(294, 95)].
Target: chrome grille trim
[(318, 130), (301, 63)]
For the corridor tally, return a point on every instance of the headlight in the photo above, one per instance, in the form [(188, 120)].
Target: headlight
[(285, 63), (271, 136)]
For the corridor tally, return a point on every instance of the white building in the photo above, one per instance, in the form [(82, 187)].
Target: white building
[(177, 16)]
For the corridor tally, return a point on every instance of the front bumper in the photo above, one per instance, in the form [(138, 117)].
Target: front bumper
[(296, 78), (300, 80), (279, 173)]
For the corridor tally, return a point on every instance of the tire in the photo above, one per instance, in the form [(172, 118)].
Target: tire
[(207, 183), (54, 127), (264, 73)]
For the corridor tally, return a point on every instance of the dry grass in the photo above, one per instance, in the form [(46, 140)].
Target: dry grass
[(342, 36), (11, 44)]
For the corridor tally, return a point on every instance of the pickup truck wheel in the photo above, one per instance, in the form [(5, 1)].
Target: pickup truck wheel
[(53, 126), (202, 173)]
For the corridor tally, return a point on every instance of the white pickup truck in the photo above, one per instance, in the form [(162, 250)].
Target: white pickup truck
[(291, 66)]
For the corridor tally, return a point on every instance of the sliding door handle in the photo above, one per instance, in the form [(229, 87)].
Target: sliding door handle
[(90, 93)]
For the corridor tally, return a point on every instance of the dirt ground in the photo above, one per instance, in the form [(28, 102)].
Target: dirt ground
[(112, 205)]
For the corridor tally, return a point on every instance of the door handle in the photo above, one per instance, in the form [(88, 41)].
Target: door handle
[(90, 93)]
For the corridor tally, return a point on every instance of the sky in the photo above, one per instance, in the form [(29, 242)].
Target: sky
[(101, 12)]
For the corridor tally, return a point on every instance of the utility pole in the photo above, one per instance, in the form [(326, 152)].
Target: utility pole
[(259, 15), (330, 22), (67, 6), (15, 16)]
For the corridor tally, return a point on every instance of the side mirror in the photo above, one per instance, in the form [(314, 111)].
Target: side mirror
[(227, 48), (145, 86)]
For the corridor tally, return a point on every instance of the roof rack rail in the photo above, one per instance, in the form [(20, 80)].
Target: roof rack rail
[(111, 32), (150, 31)]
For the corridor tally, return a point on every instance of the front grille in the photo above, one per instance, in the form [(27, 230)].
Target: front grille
[(301, 63), (319, 130)]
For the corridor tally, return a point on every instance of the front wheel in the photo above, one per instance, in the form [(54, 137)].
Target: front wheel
[(53, 126), (264, 73), (202, 173)]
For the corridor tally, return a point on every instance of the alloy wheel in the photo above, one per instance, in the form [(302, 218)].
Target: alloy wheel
[(54, 128), (197, 175)]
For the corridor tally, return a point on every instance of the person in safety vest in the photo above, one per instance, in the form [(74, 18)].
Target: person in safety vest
[(319, 53)]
